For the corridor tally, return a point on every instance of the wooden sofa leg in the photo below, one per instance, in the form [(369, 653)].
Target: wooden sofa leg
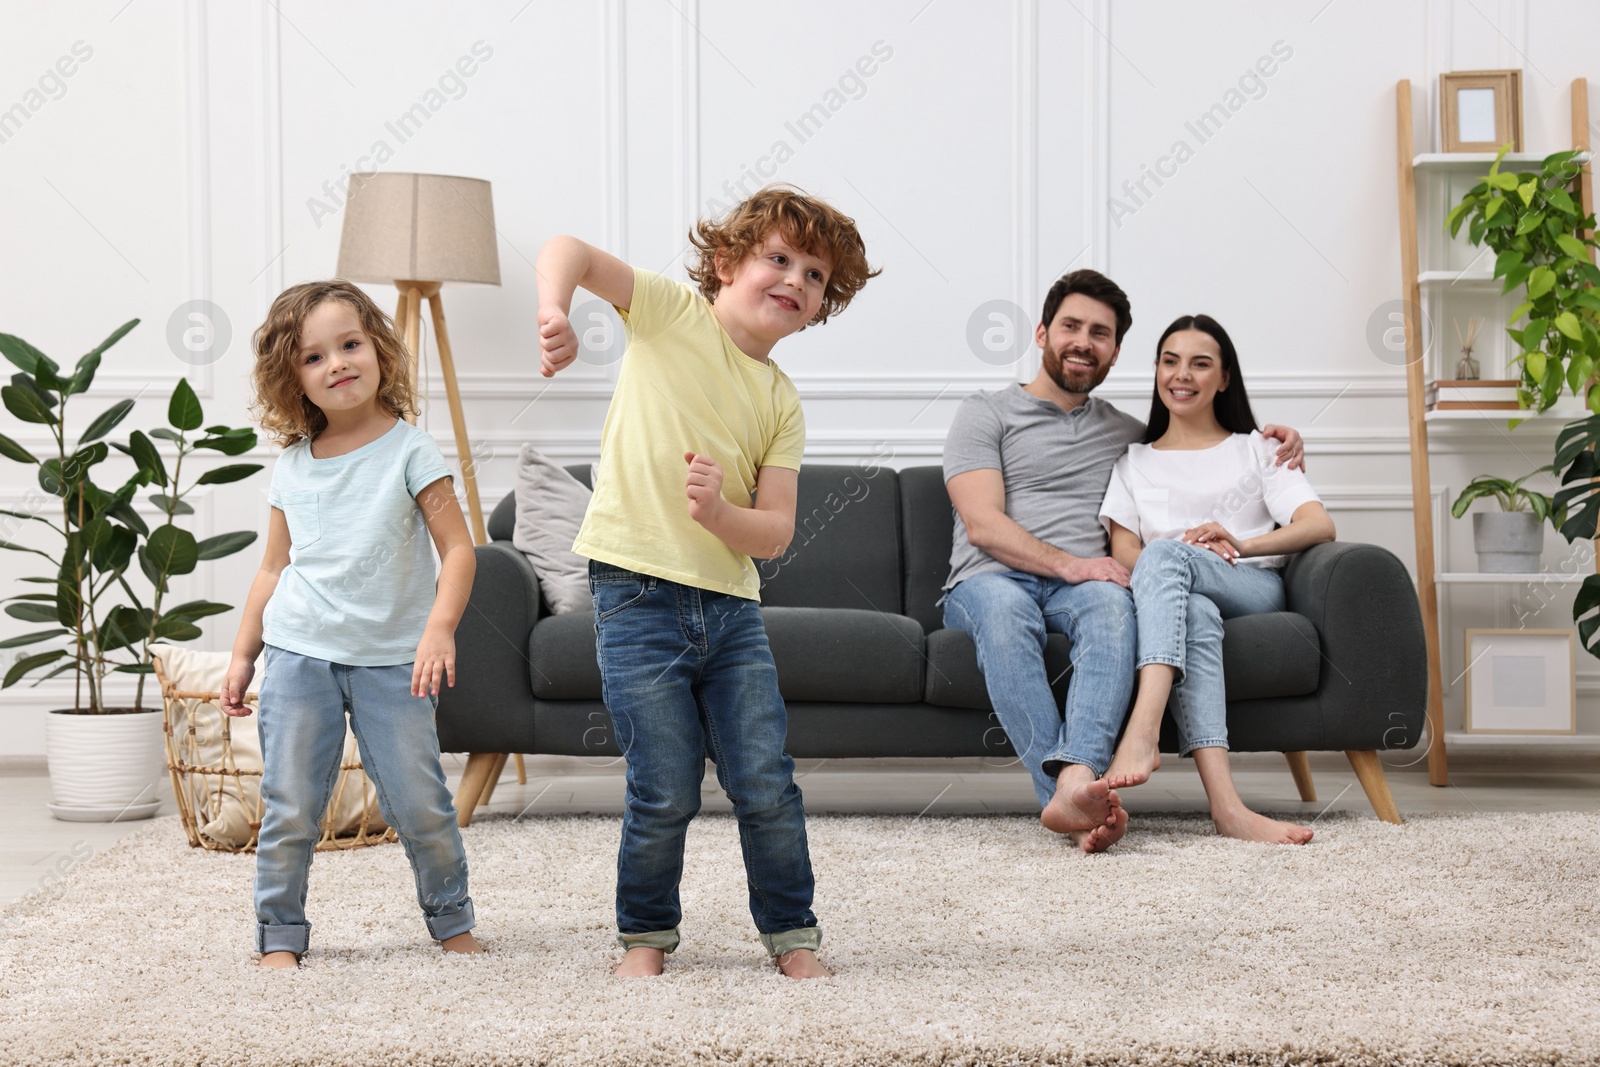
[(1370, 773), (1300, 767), (494, 779), (522, 770), (473, 780)]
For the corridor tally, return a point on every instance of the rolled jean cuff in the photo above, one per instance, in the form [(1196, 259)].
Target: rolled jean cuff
[(665, 940), (294, 937), (444, 927), (1204, 742), (790, 940), (1057, 760), (1166, 661)]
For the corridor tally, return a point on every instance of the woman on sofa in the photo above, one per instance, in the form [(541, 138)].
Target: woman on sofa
[(1205, 520)]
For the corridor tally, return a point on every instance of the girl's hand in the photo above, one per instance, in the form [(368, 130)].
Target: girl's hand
[(1292, 450), (234, 685), (704, 485), (558, 341), (436, 659), (1211, 535)]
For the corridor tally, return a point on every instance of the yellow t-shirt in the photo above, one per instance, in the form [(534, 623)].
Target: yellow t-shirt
[(684, 386)]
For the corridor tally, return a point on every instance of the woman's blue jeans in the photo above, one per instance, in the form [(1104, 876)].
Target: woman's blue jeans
[(301, 718), (1009, 614), (687, 674), (1182, 592)]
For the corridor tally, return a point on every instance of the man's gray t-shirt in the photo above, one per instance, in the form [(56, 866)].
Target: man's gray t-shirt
[(1056, 465)]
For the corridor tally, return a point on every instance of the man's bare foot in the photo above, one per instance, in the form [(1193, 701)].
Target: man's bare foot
[(1102, 837), (802, 963), (1137, 758), (1246, 825), (464, 943), (640, 962), (1081, 807), (280, 960)]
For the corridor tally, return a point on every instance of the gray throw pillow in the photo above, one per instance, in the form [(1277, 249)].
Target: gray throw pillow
[(550, 507)]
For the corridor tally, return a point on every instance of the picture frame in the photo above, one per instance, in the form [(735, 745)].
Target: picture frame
[(1520, 682), (1480, 110)]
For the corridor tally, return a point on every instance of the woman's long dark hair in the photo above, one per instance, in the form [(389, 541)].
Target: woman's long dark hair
[(1230, 405)]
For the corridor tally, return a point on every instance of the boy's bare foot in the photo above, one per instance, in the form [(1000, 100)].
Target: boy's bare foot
[(464, 943), (280, 960), (1080, 804), (640, 962), (1136, 759), (1246, 825), (802, 963), (1102, 837)]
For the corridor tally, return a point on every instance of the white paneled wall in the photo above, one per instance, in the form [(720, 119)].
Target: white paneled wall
[(1236, 159)]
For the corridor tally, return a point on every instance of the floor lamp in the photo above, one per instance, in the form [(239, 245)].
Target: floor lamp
[(419, 231)]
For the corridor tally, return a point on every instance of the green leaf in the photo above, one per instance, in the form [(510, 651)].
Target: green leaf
[(1527, 189), (29, 611), (123, 627), (1506, 261), (1452, 221), (1535, 362), (166, 434), (144, 453), (116, 335), (22, 354), (231, 473), (31, 639), (1520, 310), (1540, 282), (172, 550), (1507, 182), (225, 544), (1558, 198), (27, 405), (1567, 323), (125, 514), (11, 450), (135, 668), (166, 503), (1492, 209), (171, 629), (228, 446), (196, 609), (107, 421), (184, 412), (29, 663), (1572, 246), (1530, 222)]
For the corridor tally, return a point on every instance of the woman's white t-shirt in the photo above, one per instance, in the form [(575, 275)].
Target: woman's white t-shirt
[(1160, 493)]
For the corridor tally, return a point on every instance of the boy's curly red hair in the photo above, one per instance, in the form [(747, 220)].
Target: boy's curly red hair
[(279, 405), (810, 225)]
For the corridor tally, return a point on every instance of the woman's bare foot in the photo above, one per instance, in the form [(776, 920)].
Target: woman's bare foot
[(802, 963), (1081, 803), (640, 962), (1246, 825), (1102, 837), (280, 960), (1137, 758), (464, 943)]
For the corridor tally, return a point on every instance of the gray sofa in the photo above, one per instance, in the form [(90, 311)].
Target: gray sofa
[(868, 669)]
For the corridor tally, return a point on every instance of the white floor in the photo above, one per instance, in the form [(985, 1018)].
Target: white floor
[(36, 849)]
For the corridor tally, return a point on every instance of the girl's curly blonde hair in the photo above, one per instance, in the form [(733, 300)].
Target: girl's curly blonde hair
[(279, 405), (809, 224)]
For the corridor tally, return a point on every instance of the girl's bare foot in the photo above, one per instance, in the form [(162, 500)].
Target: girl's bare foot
[(802, 963), (280, 960), (1246, 825), (465, 943), (1081, 803), (1102, 837), (640, 962), (1137, 758)]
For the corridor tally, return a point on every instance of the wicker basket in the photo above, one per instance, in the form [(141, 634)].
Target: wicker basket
[(203, 781)]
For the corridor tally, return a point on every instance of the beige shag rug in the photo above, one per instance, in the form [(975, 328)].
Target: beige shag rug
[(1449, 940)]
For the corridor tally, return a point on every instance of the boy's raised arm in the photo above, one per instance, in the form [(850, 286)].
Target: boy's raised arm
[(564, 264)]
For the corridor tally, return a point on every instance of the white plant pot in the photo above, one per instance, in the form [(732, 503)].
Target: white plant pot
[(105, 768), (1507, 542)]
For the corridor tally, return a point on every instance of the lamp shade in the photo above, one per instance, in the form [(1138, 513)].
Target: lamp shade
[(419, 227)]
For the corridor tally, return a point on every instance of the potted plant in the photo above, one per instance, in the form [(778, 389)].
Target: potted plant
[(1510, 540), (105, 758)]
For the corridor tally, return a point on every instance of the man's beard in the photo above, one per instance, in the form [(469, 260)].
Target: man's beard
[(1086, 380)]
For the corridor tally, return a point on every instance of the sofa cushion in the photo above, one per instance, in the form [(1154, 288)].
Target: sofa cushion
[(550, 507), (928, 524), (822, 654), (846, 547), (1276, 654)]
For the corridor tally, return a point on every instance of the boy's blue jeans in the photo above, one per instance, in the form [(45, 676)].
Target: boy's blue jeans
[(1182, 593), (1008, 615), (686, 674), (302, 711)]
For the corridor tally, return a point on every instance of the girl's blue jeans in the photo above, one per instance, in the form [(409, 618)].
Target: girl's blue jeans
[(302, 712), (687, 674), (1181, 593)]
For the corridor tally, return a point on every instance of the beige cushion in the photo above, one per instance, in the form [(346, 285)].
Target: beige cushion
[(550, 507), (225, 805)]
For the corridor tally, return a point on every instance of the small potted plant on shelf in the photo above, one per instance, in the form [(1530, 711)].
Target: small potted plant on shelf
[(1510, 540), (104, 759)]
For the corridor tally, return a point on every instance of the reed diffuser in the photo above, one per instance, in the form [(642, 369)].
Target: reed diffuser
[(1467, 367)]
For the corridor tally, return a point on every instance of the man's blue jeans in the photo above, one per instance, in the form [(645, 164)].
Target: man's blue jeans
[(304, 702), (686, 674), (1182, 593), (1008, 615)]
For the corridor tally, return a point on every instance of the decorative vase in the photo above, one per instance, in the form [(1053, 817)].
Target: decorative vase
[(105, 767), (1507, 542), (1467, 367)]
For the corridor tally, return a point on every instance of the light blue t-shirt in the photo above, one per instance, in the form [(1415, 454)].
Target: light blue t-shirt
[(360, 580)]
